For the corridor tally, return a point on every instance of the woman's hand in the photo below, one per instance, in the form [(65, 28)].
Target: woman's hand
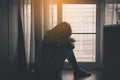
[(72, 40)]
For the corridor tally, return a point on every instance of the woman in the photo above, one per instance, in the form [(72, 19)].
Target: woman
[(56, 47)]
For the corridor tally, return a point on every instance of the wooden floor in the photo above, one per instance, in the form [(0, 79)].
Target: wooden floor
[(67, 75), (96, 75)]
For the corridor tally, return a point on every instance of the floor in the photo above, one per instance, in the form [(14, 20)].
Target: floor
[(66, 75), (96, 75)]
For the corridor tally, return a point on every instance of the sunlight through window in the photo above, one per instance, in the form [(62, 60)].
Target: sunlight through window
[(82, 18)]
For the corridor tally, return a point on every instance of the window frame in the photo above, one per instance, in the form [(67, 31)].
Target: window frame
[(87, 65)]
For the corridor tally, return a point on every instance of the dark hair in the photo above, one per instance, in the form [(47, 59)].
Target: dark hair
[(63, 30)]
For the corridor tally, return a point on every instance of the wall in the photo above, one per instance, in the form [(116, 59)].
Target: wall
[(4, 39), (13, 37), (111, 48), (8, 39)]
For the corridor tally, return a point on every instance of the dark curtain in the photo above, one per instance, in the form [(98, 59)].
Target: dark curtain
[(21, 57), (31, 24), (38, 29), (22, 66)]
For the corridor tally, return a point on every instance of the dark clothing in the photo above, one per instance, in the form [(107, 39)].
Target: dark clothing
[(54, 52), (56, 47)]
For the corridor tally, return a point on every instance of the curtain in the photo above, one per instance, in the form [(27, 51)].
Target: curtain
[(31, 12), (21, 57), (112, 12), (50, 14), (25, 12), (36, 18), (38, 30)]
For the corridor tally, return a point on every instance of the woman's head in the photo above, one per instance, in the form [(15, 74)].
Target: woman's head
[(63, 30)]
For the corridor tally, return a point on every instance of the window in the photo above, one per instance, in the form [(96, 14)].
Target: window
[(112, 12), (82, 18)]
